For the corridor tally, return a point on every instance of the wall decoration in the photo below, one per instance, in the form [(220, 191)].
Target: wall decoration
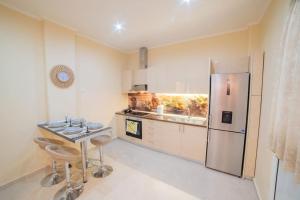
[(62, 76), (196, 105)]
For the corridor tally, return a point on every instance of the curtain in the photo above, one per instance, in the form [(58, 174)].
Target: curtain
[(285, 131)]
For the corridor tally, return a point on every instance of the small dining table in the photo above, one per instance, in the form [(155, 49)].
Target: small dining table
[(82, 138)]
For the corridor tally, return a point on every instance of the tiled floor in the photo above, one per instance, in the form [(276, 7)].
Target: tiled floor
[(142, 174)]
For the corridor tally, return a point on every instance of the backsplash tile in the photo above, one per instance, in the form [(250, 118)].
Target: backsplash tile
[(173, 104)]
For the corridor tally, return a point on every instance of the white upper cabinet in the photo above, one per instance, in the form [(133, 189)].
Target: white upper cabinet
[(126, 81), (156, 78), (139, 76), (178, 79), (133, 77), (197, 79), (169, 79)]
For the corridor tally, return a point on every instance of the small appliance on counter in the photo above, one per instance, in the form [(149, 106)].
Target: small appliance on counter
[(227, 122), (160, 109)]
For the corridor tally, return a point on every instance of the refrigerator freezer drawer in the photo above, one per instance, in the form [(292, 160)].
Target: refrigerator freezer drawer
[(225, 151)]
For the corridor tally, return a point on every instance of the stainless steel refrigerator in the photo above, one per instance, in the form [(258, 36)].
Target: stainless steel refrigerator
[(227, 124)]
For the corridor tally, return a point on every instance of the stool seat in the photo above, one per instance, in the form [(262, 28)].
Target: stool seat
[(63, 152), (101, 140), (43, 142)]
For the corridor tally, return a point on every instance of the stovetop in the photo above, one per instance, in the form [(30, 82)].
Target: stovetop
[(138, 113), (135, 113)]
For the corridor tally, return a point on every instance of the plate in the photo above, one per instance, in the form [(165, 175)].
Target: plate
[(43, 123), (72, 130), (94, 126), (56, 124), (77, 121), (58, 129)]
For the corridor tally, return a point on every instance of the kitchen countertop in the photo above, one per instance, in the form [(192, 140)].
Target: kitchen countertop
[(193, 121)]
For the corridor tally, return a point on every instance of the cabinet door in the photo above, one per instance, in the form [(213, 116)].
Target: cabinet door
[(176, 79), (156, 78), (120, 125), (140, 77), (197, 80), (193, 143), (149, 137), (126, 81), (152, 79), (168, 137)]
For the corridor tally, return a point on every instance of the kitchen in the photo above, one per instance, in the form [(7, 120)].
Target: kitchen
[(181, 107)]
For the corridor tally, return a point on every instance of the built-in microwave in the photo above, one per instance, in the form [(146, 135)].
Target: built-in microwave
[(133, 127)]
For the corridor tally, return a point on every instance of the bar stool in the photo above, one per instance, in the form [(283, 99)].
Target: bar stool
[(67, 154), (101, 170), (55, 176)]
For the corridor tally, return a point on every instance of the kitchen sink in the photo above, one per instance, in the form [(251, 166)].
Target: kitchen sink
[(186, 119)]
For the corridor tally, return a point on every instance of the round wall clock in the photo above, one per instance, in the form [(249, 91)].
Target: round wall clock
[(62, 76)]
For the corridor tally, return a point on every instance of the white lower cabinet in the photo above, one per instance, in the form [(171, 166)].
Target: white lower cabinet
[(182, 140), (168, 137), (120, 125), (193, 143), (149, 137)]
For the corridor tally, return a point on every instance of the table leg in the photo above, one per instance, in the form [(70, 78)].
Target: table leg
[(83, 146)]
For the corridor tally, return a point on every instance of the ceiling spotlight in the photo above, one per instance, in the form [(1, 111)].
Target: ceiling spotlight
[(118, 27), (185, 2)]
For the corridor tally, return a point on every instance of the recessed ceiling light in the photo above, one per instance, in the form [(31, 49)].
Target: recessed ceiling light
[(118, 27), (185, 1)]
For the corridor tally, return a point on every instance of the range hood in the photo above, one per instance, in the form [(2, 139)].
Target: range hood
[(140, 75)]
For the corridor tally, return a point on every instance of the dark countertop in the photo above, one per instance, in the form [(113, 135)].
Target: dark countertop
[(170, 119)]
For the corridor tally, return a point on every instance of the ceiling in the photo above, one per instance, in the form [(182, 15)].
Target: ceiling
[(149, 23)]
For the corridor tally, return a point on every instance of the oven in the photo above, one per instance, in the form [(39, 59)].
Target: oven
[(133, 127)]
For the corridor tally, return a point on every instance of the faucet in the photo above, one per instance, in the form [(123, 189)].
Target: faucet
[(189, 113)]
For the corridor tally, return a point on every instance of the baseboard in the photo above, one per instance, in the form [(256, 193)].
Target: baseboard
[(9, 183), (257, 189)]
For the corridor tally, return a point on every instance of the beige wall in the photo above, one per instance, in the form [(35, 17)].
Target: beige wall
[(223, 48), (23, 97), (100, 75), (28, 50), (271, 27), (60, 48)]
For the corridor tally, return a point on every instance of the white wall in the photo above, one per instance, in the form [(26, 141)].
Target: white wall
[(23, 95), (271, 33), (60, 49), (99, 70), (229, 47), (286, 189), (29, 49)]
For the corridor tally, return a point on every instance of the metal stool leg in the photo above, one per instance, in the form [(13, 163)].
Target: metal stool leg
[(102, 170), (71, 190), (53, 178)]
